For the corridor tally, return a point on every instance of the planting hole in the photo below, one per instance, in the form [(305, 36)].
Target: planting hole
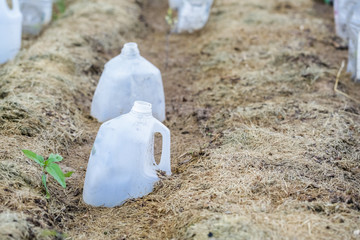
[(157, 147)]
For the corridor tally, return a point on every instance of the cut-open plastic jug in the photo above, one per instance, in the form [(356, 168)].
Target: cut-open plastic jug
[(192, 15), (10, 30), (353, 33), (36, 14), (122, 163), (128, 78)]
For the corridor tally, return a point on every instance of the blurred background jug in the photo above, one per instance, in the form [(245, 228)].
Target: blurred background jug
[(192, 14), (10, 30), (128, 78), (36, 14), (343, 10), (353, 33), (122, 163)]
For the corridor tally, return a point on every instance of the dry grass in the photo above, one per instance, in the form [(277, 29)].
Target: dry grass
[(45, 95), (262, 147)]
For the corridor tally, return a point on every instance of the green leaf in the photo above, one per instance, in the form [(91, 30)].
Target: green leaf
[(33, 156), (54, 170), (61, 6), (54, 158), (54, 233), (43, 178), (49, 233), (68, 174)]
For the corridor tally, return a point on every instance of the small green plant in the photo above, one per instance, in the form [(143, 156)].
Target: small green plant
[(59, 8), (170, 19), (49, 166), (53, 233)]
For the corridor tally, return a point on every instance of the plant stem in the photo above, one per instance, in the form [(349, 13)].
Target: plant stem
[(167, 50)]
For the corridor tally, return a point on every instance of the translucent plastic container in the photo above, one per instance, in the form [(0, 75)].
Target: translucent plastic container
[(122, 164), (10, 30), (357, 79), (343, 10), (128, 78), (36, 14), (353, 32), (193, 15)]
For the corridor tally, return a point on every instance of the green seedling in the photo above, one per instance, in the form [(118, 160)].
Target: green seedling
[(170, 19), (53, 233), (49, 166), (60, 8)]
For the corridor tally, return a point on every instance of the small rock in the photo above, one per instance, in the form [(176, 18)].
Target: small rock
[(357, 232)]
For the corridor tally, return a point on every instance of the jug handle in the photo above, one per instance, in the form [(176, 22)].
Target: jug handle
[(164, 164)]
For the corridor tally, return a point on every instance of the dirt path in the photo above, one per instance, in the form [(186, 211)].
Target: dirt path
[(262, 148)]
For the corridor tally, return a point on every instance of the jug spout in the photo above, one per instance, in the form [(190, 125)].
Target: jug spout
[(130, 50), (142, 108)]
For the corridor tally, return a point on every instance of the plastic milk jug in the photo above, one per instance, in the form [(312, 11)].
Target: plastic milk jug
[(36, 14), (122, 163), (10, 30), (128, 78), (193, 15), (353, 32), (343, 10)]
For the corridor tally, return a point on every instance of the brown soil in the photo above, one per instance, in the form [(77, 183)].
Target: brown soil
[(262, 147)]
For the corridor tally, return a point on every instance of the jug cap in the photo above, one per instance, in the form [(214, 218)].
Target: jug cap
[(130, 49), (142, 107)]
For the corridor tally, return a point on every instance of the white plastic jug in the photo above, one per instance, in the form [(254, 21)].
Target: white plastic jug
[(193, 15), (128, 78), (343, 10), (36, 14), (353, 31), (122, 164), (10, 30), (357, 79)]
